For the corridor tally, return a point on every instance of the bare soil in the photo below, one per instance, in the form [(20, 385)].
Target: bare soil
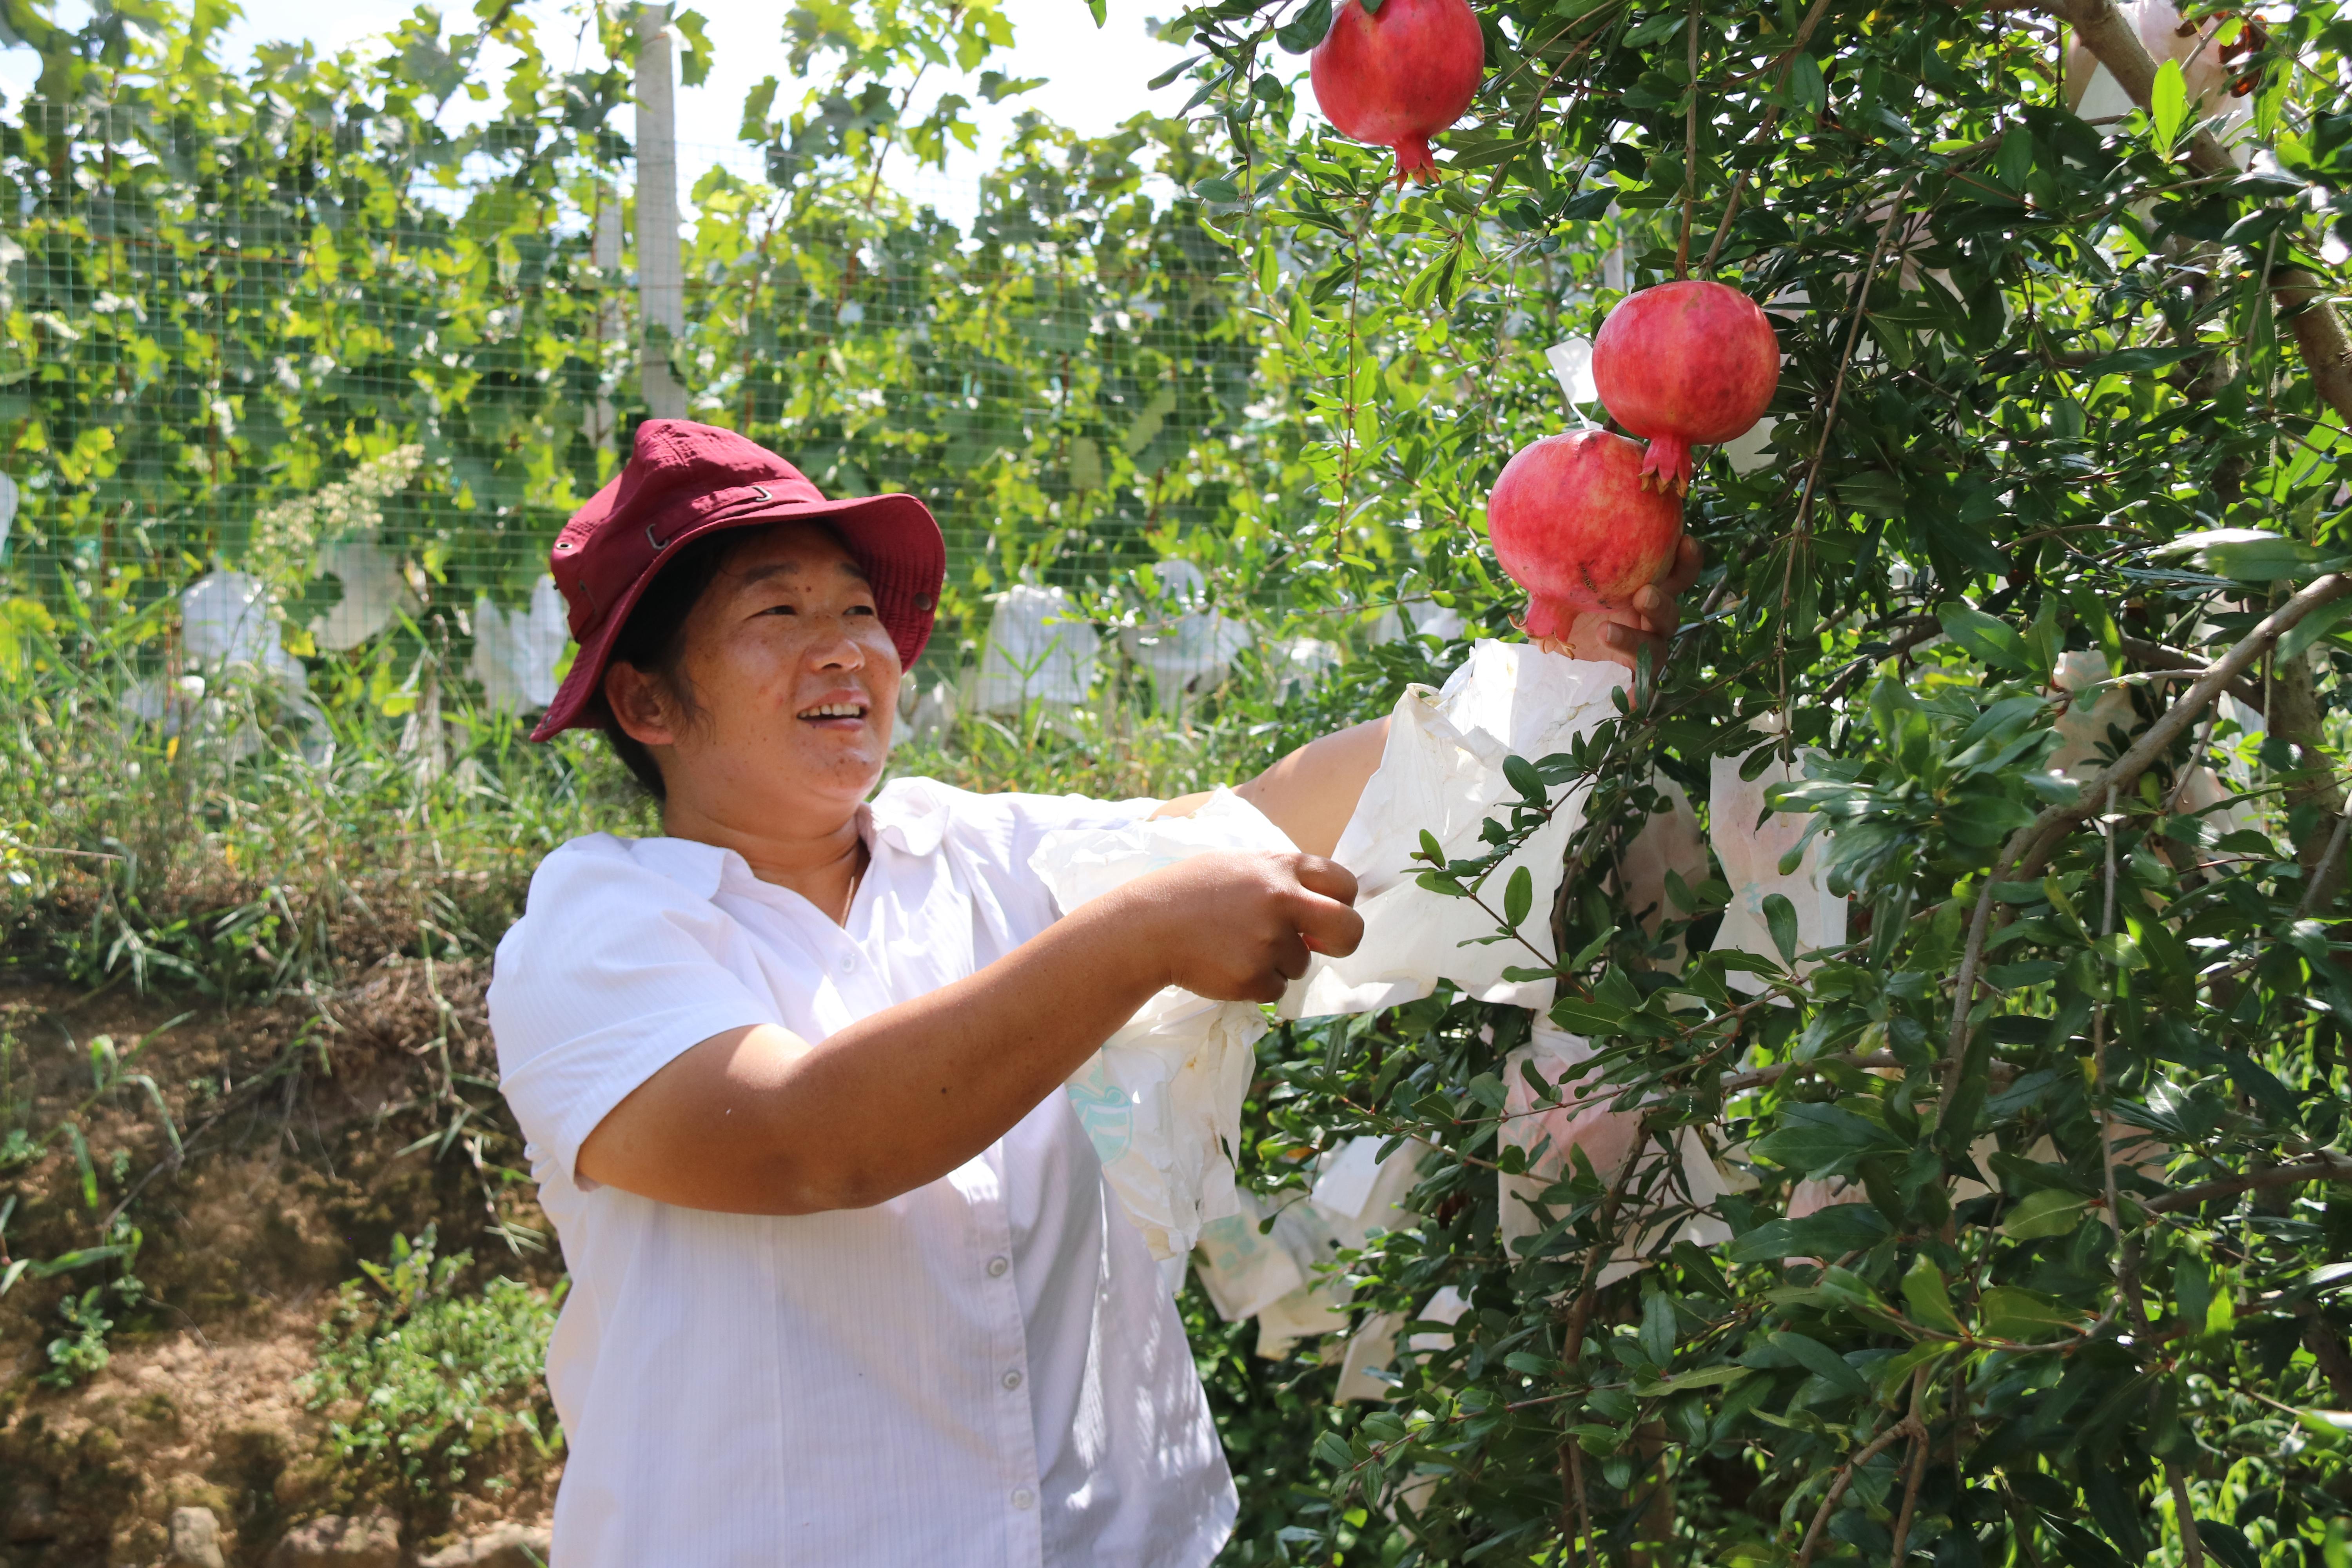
[(314, 1130)]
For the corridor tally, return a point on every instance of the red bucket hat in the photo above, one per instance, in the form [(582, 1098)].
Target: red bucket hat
[(685, 480)]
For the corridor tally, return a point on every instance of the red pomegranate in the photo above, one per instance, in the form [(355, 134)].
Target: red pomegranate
[(1575, 524), (1396, 79), (1684, 364)]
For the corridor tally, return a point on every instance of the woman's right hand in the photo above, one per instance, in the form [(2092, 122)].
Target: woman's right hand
[(1239, 925)]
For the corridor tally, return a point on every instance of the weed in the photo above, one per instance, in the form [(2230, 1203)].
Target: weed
[(80, 1352), (419, 1376)]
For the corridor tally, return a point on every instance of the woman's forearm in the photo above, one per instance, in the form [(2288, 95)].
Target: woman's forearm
[(759, 1120)]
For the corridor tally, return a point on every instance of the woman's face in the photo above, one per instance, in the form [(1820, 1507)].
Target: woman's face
[(791, 679)]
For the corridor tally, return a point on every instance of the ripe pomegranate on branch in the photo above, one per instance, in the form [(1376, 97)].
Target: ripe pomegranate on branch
[(1576, 526), (1396, 76), (1686, 364)]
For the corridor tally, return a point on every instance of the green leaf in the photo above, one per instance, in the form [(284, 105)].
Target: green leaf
[(694, 66), (2318, 623), (1822, 1361), (1930, 1302), (2247, 555), (1704, 1377), (2008, 1312), (1832, 1232), (2168, 103), (1589, 1018), (2131, 361), (1523, 777), (1307, 29), (1658, 1328), (1816, 1139), (1518, 897), (2053, 1211), (1780, 915), (1994, 641)]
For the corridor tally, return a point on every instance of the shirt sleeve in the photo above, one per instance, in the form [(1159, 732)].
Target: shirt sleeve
[(614, 971)]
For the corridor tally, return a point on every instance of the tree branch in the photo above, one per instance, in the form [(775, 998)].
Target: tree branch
[(2157, 655), (2320, 1167), (2030, 848), (2025, 853), (1906, 1427)]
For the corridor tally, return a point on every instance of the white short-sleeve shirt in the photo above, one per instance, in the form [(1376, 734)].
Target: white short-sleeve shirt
[(985, 1370)]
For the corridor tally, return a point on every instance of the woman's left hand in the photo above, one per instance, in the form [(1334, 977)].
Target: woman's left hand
[(1620, 635)]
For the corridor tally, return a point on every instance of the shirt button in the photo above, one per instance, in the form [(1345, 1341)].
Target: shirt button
[(1025, 1499), (1011, 1380), (849, 962), (997, 1266)]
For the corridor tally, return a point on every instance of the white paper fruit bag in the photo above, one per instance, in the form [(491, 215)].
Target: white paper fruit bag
[(1162, 1100), (1751, 850), (1442, 772)]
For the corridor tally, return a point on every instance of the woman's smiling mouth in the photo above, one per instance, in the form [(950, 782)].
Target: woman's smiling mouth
[(823, 712)]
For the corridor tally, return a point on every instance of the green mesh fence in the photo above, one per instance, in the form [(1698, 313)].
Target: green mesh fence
[(270, 394)]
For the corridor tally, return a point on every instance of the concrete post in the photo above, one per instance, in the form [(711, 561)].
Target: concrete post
[(661, 265), (605, 251)]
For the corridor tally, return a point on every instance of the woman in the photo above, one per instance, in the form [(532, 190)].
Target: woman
[(847, 1286)]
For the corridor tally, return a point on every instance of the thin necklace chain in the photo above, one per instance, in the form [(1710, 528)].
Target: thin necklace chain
[(865, 858)]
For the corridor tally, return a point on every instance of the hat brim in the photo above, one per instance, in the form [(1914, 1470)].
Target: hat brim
[(897, 544)]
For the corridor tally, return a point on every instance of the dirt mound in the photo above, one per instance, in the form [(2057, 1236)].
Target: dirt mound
[(311, 1131)]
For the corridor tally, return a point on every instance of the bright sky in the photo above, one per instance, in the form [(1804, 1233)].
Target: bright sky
[(1093, 79)]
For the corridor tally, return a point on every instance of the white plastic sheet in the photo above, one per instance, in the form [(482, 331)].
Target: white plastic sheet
[(1040, 649), (1442, 772), (516, 651), (1188, 655), (373, 592), (226, 620), (1427, 617), (8, 497), (1753, 450), (1162, 1100), (2082, 729), (1750, 854), (1670, 842)]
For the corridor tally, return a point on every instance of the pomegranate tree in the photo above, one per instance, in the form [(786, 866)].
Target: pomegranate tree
[(1686, 364), (1576, 526), (1397, 78)]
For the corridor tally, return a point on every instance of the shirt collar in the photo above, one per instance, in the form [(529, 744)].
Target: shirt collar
[(907, 815), (699, 868)]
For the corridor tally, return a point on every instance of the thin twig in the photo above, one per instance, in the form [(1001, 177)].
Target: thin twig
[(1690, 148), (1852, 336), (1844, 1478), (2318, 876), (1771, 118), (1915, 1470)]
